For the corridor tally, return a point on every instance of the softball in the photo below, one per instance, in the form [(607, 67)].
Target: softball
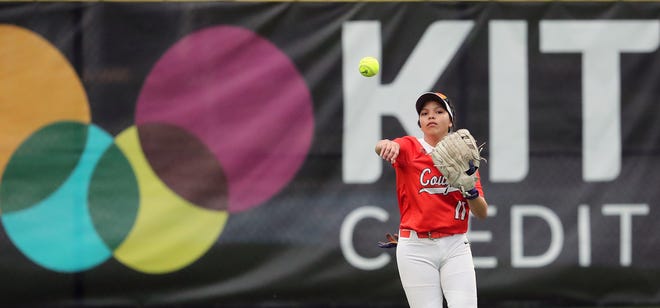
[(369, 66)]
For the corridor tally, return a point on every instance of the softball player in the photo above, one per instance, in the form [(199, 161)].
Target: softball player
[(433, 254)]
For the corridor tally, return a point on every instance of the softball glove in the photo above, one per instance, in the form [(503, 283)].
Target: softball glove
[(458, 157)]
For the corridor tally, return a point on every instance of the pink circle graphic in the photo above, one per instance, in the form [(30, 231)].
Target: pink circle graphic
[(244, 99)]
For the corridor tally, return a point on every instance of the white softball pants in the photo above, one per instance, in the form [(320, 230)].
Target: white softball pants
[(433, 268)]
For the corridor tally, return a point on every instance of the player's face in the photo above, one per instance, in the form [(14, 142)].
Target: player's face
[(434, 119)]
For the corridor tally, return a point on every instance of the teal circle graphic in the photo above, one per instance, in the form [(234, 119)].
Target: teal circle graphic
[(50, 208)]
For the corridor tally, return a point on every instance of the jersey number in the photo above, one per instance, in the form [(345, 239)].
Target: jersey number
[(461, 211)]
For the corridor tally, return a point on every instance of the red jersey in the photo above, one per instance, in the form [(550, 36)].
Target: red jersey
[(426, 202)]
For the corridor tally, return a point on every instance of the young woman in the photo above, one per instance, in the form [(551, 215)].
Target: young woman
[(433, 253)]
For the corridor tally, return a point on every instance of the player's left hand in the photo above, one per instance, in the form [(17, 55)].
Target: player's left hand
[(392, 241)]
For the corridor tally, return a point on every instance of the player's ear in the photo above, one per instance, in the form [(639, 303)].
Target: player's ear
[(419, 124)]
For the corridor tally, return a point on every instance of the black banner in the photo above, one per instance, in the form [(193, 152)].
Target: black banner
[(222, 152)]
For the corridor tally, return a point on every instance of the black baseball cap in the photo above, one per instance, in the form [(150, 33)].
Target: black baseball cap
[(436, 97)]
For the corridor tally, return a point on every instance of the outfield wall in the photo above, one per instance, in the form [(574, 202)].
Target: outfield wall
[(222, 152)]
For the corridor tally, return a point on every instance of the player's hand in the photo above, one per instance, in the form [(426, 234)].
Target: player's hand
[(389, 150), (392, 241)]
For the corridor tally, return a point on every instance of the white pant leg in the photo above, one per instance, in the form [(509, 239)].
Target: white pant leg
[(418, 261), (458, 277)]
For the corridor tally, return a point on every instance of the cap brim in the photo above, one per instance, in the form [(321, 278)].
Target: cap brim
[(425, 97), (431, 96)]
